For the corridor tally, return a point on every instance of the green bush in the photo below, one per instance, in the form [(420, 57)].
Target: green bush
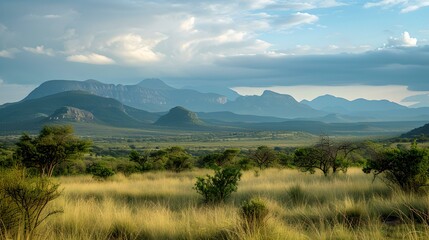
[(23, 202), (218, 188), (406, 168), (100, 172), (254, 214)]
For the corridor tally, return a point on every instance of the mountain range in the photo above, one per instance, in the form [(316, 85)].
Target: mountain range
[(156, 96), (96, 103)]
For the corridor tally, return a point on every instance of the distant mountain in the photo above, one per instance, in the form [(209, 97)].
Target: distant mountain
[(417, 132), (272, 104), (421, 100), (149, 94), (72, 114), (224, 91), (73, 106), (226, 116), (332, 104), (179, 117)]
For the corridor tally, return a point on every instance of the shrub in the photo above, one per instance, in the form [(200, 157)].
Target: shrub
[(100, 172), (406, 168), (218, 188), (23, 202), (254, 214), (296, 195)]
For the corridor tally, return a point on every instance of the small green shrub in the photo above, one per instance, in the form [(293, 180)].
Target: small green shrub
[(296, 195), (100, 172), (352, 217), (23, 202), (254, 214), (218, 188)]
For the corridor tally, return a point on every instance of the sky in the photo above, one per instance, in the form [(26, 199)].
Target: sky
[(376, 49)]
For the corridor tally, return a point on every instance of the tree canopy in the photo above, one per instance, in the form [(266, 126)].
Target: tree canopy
[(54, 145)]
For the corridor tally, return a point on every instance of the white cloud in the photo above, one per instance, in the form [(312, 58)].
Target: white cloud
[(51, 16), (92, 58), (404, 41), (8, 53), (297, 19), (133, 48), (405, 5), (40, 50), (188, 25), (306, 5)]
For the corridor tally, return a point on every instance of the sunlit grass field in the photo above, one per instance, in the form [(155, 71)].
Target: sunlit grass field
[(163, 205)]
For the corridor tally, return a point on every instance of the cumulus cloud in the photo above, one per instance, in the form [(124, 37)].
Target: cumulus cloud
[(91, 58), (404, 41), (188, 25), (40, 50), (297, 19), (405, 5), (134, 48), (8, 53)]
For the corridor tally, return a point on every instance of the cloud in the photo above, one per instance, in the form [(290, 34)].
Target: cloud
[(8, 53), (51, 16), (404, 41), (389, 66), (133, 48), (92, 58), (405, 5), (40, 50), (188, 25), (306, 5), (296, 19)]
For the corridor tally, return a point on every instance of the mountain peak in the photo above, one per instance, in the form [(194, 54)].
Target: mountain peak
[(179, 117), (153, 83), (93, 81)]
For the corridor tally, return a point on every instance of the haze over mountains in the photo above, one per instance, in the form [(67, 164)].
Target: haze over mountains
[(156, 96), (145, 105)]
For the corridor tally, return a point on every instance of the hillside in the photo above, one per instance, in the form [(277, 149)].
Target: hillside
[(332, 104), (179, 117), (150, 94), (73, 106), (417, 132), (272, 104)]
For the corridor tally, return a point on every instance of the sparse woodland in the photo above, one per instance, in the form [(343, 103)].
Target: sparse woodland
[(55, 186)]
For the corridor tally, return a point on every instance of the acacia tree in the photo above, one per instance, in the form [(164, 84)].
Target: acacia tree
[(325, 156), (223, 159), (406, 168), (264, 157), (54, 145)]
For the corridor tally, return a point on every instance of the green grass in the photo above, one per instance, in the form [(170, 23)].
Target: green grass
[(163, 205)]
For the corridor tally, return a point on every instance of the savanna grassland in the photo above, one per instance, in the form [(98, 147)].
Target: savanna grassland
[(164, 205)]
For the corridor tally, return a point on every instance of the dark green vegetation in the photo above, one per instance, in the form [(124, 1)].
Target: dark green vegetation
[(218, 188), (180, 117), (326, 156), (420, 133), (23, 203), (406, 168), (53, 146)]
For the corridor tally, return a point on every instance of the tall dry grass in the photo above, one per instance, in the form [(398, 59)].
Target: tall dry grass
[(163, 205)]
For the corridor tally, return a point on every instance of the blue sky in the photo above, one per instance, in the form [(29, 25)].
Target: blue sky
[(374, 49)]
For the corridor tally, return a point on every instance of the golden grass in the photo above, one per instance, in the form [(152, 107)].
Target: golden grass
[(163, 205)]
